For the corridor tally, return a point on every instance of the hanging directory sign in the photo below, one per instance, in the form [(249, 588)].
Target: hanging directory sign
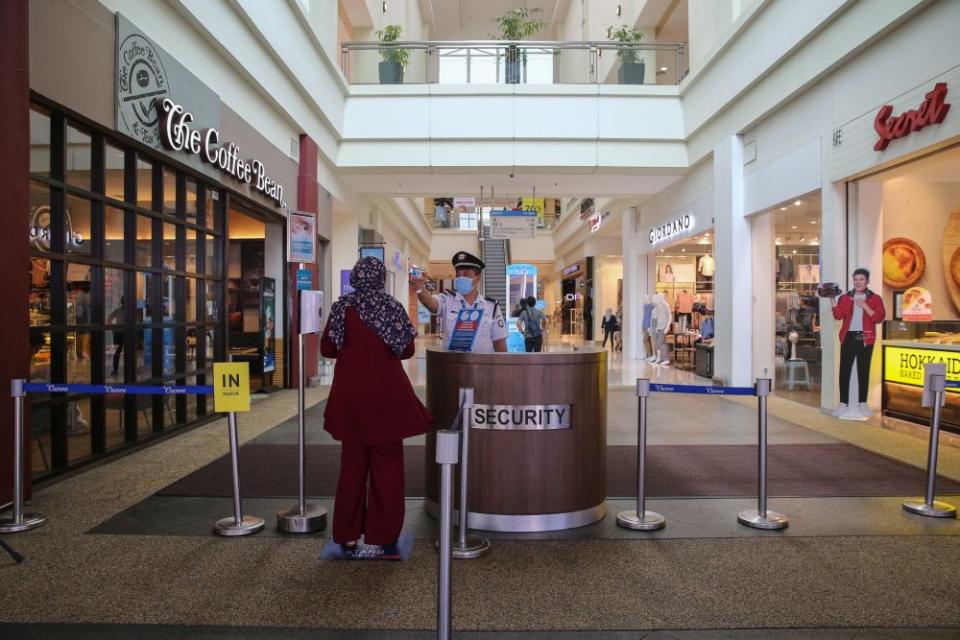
[(512, 223)]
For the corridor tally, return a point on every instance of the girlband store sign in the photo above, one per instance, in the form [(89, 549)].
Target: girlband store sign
[(176, 134), (672, 229)]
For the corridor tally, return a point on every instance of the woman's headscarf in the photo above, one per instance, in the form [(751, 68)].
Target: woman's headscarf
[(381, 312)]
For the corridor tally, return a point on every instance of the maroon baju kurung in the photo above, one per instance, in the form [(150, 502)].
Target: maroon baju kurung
[(372, 407)]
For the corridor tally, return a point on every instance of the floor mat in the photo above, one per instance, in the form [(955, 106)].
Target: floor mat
[(802, 470)]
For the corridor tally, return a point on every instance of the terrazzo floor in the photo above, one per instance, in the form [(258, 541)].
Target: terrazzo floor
[(846, 568)]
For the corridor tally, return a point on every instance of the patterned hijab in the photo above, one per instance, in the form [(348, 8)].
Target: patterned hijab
[(381, 312)]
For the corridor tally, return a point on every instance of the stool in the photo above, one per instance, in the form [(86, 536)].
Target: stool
[(793, 366)]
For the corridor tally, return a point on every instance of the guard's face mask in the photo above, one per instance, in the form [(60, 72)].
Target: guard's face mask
[(463, 285)]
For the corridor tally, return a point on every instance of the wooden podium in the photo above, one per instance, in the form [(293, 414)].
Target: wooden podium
[(526, 473)]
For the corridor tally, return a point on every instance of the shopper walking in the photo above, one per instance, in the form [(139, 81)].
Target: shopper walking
[(531, 322), (609, 325), (372, 407)]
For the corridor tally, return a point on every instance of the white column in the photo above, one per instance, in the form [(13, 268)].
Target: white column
[(764, 295), (866, 250), (632, 286), (733, 281), (833, 255)]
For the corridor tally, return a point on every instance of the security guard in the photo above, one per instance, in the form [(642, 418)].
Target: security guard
[(492, 334)]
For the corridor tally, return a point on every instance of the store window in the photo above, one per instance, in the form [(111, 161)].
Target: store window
[(684, 277), (79, 158), (169, 191), (78, 223), (917, 206), (39, 142), (101, 307), (797, 267), (191, 201), (114, 234), (114, 161), (169, 246), (144, 247), (144, 183)]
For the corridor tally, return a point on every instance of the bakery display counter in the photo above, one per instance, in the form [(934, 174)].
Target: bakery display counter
[(903, 362)]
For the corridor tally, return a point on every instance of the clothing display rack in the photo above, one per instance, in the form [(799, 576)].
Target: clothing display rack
[(687, 287)]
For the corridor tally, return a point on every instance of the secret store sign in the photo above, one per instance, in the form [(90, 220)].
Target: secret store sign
[(177, 134)]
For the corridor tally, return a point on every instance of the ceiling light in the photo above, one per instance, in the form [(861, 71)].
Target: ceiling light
[(814, 242), (797, 203), (778, 239), (802, 239), (794, 250), (813, 222), (683, 250), (794, 227), (783, 208)]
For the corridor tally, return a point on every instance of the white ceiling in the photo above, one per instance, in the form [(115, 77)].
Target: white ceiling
[(474, 19), (468, 184)]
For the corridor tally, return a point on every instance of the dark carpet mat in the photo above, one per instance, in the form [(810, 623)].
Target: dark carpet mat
[(798, 470)]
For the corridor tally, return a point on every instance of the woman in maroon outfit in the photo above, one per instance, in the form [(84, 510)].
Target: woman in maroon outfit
[(372, 407)]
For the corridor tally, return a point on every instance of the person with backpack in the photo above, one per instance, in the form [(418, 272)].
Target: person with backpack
[(531, 321)]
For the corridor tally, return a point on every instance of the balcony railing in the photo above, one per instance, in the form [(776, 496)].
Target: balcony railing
[(523, 62)]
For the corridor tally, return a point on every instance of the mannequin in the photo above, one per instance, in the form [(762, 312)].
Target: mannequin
[(707, 266), (645, 327), (663, 317)]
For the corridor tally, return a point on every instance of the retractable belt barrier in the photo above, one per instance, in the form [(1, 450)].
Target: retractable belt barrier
[(935, 386), (760, 518), (235, 525)]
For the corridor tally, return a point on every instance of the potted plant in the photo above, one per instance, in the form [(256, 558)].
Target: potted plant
[(394, 58), (631, 66), (517, 24)]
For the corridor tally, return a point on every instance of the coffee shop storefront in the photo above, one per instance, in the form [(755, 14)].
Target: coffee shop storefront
[(156, 248)]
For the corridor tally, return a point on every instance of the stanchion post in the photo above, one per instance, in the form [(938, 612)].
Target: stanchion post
[(448, 450), (762, 518), (930, 506), (302, 518), (467, 546), (19, 521), (640, 519), (237, 524)]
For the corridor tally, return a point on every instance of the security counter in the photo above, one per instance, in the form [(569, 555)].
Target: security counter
[(903, 362), (538, 436)]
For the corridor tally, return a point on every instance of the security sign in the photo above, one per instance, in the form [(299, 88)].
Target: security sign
[(231, 387)]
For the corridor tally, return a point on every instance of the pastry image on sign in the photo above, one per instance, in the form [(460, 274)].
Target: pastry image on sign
[(917, 305), (955, 267), (903, 262)]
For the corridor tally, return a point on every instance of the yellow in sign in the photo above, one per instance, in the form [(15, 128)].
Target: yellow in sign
[(231, 386)]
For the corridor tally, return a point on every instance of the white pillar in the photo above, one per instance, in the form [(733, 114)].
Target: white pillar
[(733, 282), (866, 250), (833, 255), (763, 233)]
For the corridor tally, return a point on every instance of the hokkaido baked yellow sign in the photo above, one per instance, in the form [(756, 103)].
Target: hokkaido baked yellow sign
[(231, 386), (905, 365)]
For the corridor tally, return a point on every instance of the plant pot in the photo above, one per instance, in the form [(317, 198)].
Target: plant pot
[(631, 73), (391, 72), (513, 61)]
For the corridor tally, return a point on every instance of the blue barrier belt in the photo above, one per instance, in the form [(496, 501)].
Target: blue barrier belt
[(704, 389), (953, 384), (104, 389)]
